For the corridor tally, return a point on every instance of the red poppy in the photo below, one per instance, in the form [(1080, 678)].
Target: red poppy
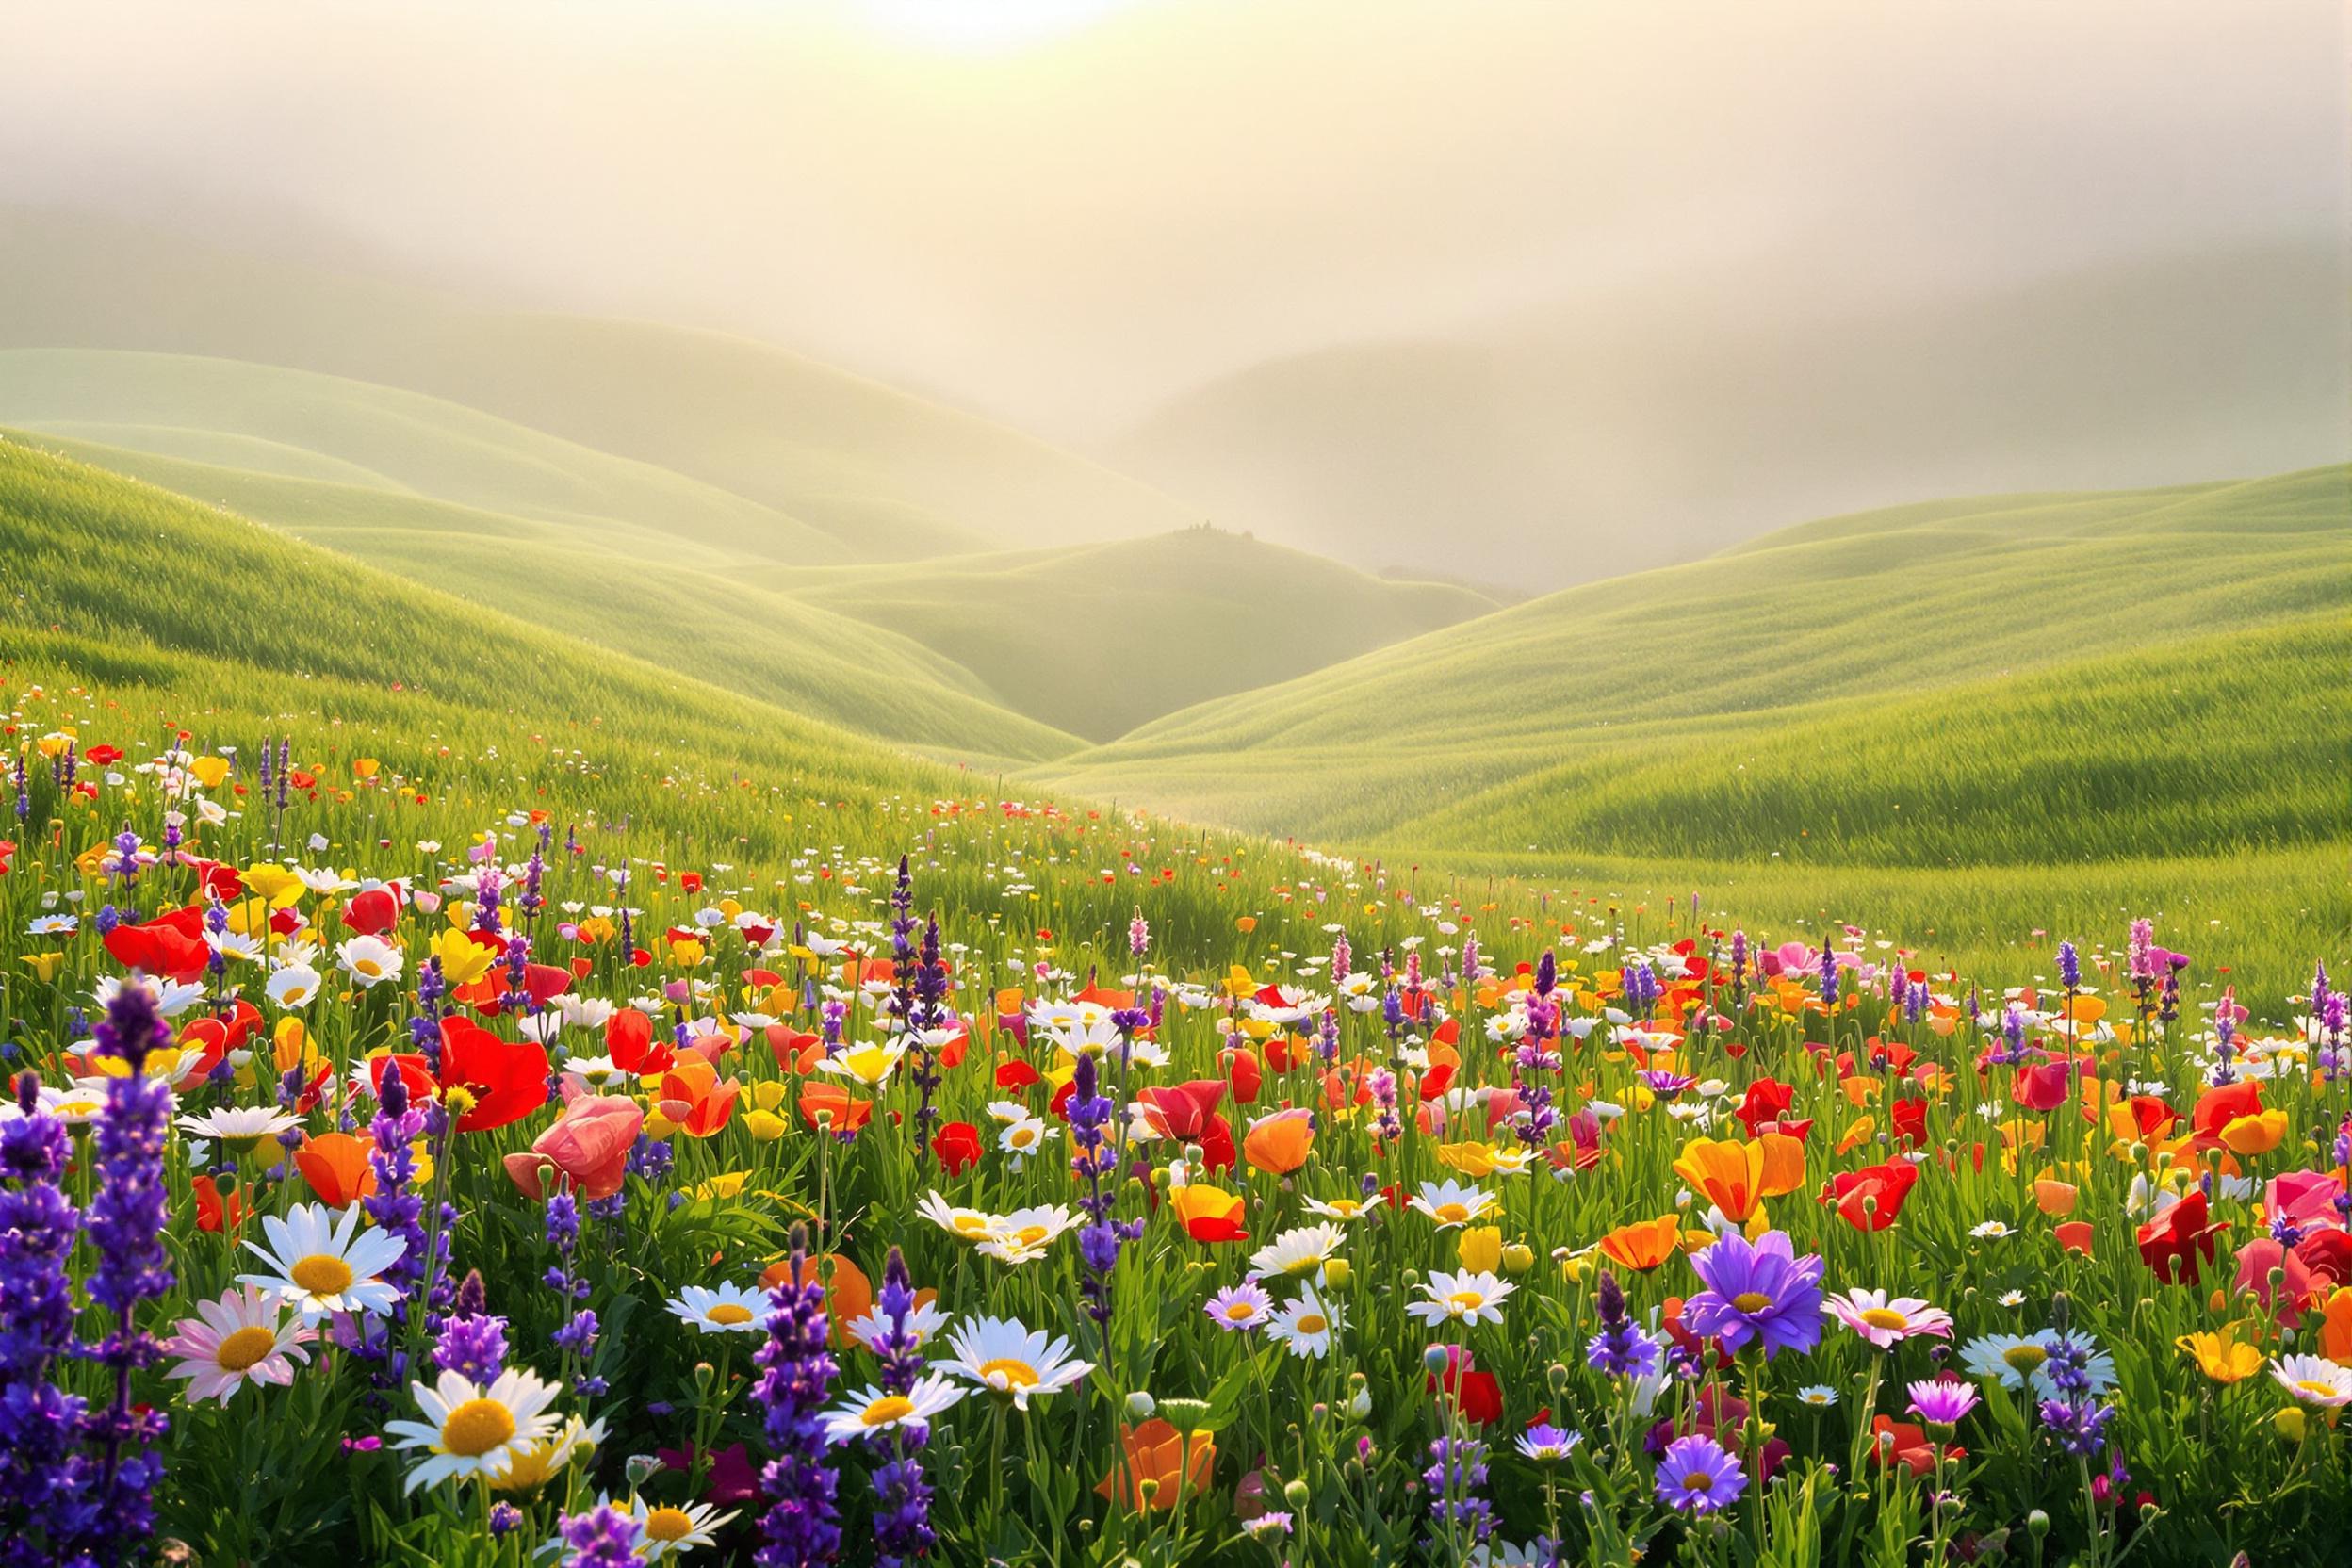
[(212, 1211), (1900, 1443), (1908, 1119), (628, 1040), (2217, 1108), (1765, 1109), (958, 1145), (373, 912), (2177, 1242), (1187, 1112), (170, 946), (1244, 1072), (1016, 1075), (1871, 1199), (1481, 1395), (2075, 1237), (2041, 1086), (504, 1080)]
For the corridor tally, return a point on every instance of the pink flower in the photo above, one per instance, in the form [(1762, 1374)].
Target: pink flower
[(589, 1144), (244, 1336), (1886, 1322)]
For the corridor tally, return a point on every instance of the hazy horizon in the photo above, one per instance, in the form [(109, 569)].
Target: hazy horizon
[(1564, 264)]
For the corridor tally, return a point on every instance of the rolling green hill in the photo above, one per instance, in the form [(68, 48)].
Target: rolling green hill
[(1096, 639), (696, 618), (130, 586), (886, 474), (2050, 678)]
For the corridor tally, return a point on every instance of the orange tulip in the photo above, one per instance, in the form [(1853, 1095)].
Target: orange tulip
[(2335, 1328), (336, 1166), (2054, 1198), (1643, 1247), (1278, 1144), (1163, 1467)]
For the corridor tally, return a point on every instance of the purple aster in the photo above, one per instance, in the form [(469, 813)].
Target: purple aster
[(1237, 1309), (1698, 1475), (1761, 1292)]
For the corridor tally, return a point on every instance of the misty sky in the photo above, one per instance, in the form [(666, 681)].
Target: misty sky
[(1066, 212)]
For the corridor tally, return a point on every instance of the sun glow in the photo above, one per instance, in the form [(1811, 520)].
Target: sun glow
[(985, 27)]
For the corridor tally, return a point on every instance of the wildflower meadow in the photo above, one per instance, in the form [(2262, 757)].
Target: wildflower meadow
[(410, 1165)]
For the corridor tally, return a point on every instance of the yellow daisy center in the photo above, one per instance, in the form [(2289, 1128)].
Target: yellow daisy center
[(477, 1427), (1239, 1312), (1751, 1301), (1885, 1317), (668, 1524), (1452, 1213), (368, 967), (244, 1348), (895, 1407), (1313, 1323), (1465, 1300), (2313, 1385), (321, 1274), (1346, 1207), (730, 1313), (1029, 1235), (2025, 1358), (1013, 1372), (1303, 1266), (971, 1225)]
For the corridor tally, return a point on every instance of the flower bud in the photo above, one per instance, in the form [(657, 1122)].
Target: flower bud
[(1433, 1361), (1337, 1273), (1140, 1406), (1295, 1493)]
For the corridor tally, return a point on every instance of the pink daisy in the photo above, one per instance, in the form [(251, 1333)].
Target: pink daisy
[(238, 1338), (1883, 1321)]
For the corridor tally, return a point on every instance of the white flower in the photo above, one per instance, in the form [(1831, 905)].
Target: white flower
[(1025, 1137), (368, 960), (473, 1431), (872, 1410), (318, 1265), (1451, 1203), (1025, 1233), (1304, 1325), (243, 1127), (293, 986), (1005, 1358), (1464, 1297), (728, 1310), (1992, 1229), (1298, 1253), (667, 1528), (923, 1321), (2315, 1381)]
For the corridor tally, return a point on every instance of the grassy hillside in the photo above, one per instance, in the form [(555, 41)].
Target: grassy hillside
[(885, 474), (294, 424), (2026, 679), (1096, 639), (695, 618), (1598, 435)]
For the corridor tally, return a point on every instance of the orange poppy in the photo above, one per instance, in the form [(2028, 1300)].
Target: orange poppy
[(1643, 1247), (1737, 1177), (692, 1099), (1278, 1144), (1209, 1214), (336, 1166), (1163, 1467), (847, 1112)]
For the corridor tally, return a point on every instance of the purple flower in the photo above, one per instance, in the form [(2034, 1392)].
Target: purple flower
[(1699, 1476), (43, 1480), (796, 1373), (472, 1341), (604, 1537), (1763, 1292), (1942, 1401), (902, 1516)]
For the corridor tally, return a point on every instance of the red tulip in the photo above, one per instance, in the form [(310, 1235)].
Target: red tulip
[(2177, 1242), (958, 1145)]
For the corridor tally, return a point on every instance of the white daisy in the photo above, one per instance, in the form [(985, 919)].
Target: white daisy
[(2315, 1381), (319, 1267), (1451, 1203), (1305, 1325), (872, 1410), (924, 1322), (241, 1127), (368, 960), (728, 1310), (292, 987), (668, 1530), (1466, 1297), (472, 1430), (1005, 1358), (1299, 1252)]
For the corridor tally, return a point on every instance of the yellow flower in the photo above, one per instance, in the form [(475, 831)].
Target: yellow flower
[(463, 959), (2221, 1355), (1480, 1249), (278, 886), (44, 965), (725, 1185), (687, 952), (1471, 1159), (764, 1126), (209, 771)]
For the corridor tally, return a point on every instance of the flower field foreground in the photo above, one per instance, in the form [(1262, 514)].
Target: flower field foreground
[(395, 1175)]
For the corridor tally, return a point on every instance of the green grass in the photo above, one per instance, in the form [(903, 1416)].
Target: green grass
[(689, 612), (1097, 639), (2027, 679)]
